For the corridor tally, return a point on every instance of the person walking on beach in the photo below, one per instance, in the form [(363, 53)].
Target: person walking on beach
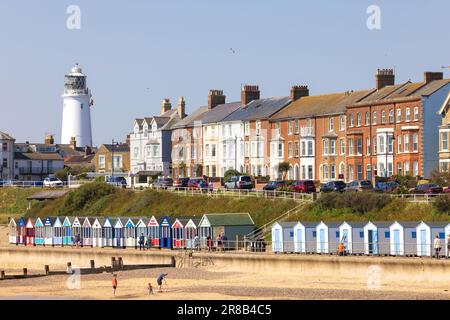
[(160, 279), (341, 249), (150, 289), (209, 243), (114, 283), (149, 242), (141, 242), (437, 246)]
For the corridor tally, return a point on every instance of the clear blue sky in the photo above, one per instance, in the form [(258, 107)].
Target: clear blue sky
[(183, 48)]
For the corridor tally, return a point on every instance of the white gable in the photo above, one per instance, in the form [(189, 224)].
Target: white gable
[(118, 224), (12, 222), (204, 222), (140, 224), (86, 223), (57, 223), (29, 223), (190, 224), (107, 223), (76, 223), (370, 226), (96, 224)]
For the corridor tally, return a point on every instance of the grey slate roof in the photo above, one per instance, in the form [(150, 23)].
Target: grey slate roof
[(37, 156), (259, 109), (219, 112), (189, 120), (117, 148)]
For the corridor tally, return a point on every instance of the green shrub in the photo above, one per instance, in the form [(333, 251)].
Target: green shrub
[(230, 173), (357, 202), (442, 203)]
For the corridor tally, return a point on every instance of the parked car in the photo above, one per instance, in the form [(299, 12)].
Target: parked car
[(52, 182), (428, 188), (163, 183), (330, 186), (303, 186), (359, 185), (180, 182), (446, 190), (274, 184), (117, 181), (199, 184), (389, 186), (239, 182)]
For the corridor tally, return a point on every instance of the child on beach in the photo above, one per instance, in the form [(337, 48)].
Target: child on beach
[(114, 284), (150, 289)]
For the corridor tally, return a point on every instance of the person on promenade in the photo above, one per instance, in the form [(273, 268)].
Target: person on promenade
[(448, 246), (114, 283), (219, 242), (141, 242), (224, 240), (160, 279), (149, 242), (341, 249), (209, 243), (437, 246)]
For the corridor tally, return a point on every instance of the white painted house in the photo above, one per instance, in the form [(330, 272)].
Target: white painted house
[(6, 156)]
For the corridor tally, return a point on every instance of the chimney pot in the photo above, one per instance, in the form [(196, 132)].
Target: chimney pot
[(384, 77), (429, 76), (181, 108), (299, 91), (73, 143), (165, 105), (215, 98), (248, 94)]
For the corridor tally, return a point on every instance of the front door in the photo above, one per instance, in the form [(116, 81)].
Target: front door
[(322, 240), (299, 245), (423, 241), (277, 244), (396, 242), (370, 241), (345, 239)]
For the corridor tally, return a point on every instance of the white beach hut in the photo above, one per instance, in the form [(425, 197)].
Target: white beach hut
[(426, 233), (327, 237), (12, 226), (304, 237), (403, 238), (97, 237), (351, 234), (377, 238), (283, 237)]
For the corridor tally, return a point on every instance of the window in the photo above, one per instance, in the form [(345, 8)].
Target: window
[(117, 162), (314, 234), (296, 151), (391, 116), (310, 148), (359, 146), (361, 234), (406, 168), (333, 171), (5, 163), (416, 113), (390, 143), (101, 162), (5, 146), (290, 126), (374, 145), (280, 150), (415, 168), (350, 172), (381, 144), (368, 146), (444, 141), (408, 114), (332, 147), (325, 147), (247, 128), (414, 235), (359, 171), (406, 142), (399, 115), (351, 120), (342, 121), (387, 234), (310, 172), (303, 148), (369, 172), (297, 126), (350, 146), (290, 151), (399, 144), (342, 146), (441, 235), (213, 150), (399, 168), (247, 149), (337, 234), (331, 124), (207, 150), (136, 152), (258, 127), (358, 119), (415, 142), (374, 117), (383, 117), (367, 118)]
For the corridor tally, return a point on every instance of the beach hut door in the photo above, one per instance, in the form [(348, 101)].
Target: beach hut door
[(345, 238), (423, 240), (374, 241), (396, 241), (277, 240), (370, 240), (299, 240), (322, 240)]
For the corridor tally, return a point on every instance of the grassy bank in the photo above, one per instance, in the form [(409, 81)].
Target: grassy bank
[(13, 202)]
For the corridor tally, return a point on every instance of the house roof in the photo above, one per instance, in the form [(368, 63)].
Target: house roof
[(190, 120), (219, 112), (37, 156), (117, 148), (5, 136), (324, 104), (258, 109), (229, 219)]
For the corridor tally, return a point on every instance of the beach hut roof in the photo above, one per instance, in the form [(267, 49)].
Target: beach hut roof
[(380, 224), (287, 224), (407, 224), (38, 222), (331, 224), (435, 224), (229, 219), (355, 224)]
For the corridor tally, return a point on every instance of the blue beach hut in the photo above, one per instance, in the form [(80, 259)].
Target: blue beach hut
[(118, 234), (130, 233), (40, 232), (77, 227), (141, 229), (21, 231), (57, 232), (426, 233), (403, 237), (327, 237), (67, 231), (166, 233)]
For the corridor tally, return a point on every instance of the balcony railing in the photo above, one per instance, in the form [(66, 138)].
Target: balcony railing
[(27, 170), (307, 131)]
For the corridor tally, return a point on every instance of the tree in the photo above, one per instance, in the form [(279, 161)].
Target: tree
[(182, 168), (230, 173), (440, 178), (283, 168)]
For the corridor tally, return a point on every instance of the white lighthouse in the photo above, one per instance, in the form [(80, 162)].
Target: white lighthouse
[(77, 98)]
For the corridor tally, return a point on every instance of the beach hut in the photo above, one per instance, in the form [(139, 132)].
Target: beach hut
[(177, 234), (403, 237), (12, 227), (130, 233), (97, 233), (76, 227), (232, 225), (166, 233), (67, 231), (30, 233), (86, 232), (351, 234), (39, 232), (108, 234), (57, 232), (153, 231), (49, 231), (283, 237), (327, 237), (141, 229), (426, 233), (305, 237), (377, 238), (21, 231), (118, 234), (190, 232)]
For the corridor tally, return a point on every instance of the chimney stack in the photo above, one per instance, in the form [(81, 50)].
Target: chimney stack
[(215, 98), (49, 139), (128, 140), (248, 94), (73, 143), (299, 91), (87, 151), (432, 76), (181, 108), (384, 77), (165, 105)]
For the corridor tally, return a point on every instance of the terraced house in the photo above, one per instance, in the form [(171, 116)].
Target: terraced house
[(444, 135)]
